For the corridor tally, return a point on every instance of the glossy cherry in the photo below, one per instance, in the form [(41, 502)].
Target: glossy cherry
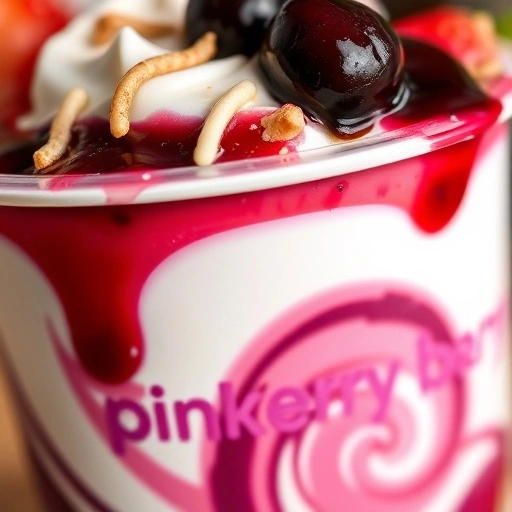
[(240, 25), (343, 65), (439, 86)]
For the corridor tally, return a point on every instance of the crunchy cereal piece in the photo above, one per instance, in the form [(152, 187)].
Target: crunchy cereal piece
[(110, 24), (60, 131), (284, 124), (218, 119), (202, 51)]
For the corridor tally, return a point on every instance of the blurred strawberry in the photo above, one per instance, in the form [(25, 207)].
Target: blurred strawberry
[(469, 37), (24, 25)]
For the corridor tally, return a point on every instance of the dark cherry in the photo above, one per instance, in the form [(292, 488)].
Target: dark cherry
[(239, 24), (337, 59), (432, 72), (439, 85)]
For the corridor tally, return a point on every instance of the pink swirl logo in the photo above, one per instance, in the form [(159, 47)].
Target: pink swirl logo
[(402, 460), (357, 396)]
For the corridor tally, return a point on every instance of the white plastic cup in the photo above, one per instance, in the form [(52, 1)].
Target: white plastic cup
[(315, 335)]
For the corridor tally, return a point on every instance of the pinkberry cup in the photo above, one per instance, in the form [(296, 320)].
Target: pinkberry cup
[(312, 333)]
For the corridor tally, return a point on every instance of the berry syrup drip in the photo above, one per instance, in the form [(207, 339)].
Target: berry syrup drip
[(163, 141), (99, 258), (442, 93)]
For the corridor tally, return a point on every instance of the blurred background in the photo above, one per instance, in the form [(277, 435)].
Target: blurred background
[(26, 24), (404, 7), (16, 487)]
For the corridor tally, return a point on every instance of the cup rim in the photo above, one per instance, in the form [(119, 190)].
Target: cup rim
[(162, 185)]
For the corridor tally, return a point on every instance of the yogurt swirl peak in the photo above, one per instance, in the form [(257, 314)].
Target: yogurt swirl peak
[(98, 69)]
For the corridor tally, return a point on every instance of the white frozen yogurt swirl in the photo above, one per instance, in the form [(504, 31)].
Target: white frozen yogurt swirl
[(69, 59)]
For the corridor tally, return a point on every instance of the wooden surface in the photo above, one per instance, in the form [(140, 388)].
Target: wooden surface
[(17, 493)]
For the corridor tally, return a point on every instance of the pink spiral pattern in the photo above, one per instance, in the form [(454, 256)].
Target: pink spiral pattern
[(400, 464), (348, 459)]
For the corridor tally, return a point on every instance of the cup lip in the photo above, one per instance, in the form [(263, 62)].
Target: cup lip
[(163, 185)]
